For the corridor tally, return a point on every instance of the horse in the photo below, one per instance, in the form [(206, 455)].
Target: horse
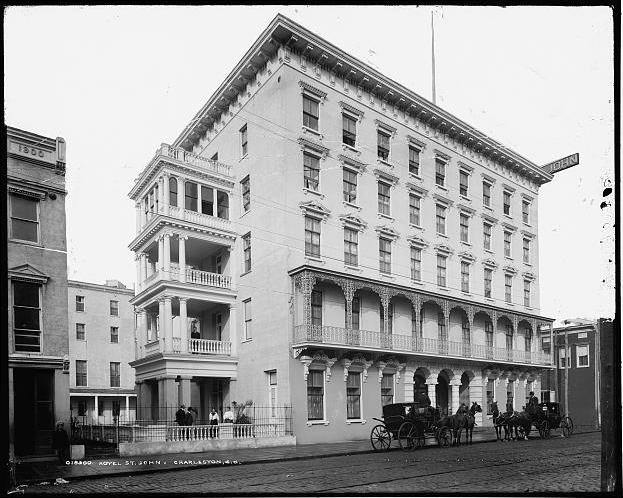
[(519, 421), (471, 421), (455, 423), (499, 422)]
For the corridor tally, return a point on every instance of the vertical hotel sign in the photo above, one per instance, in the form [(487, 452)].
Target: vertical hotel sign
[(564, 163)]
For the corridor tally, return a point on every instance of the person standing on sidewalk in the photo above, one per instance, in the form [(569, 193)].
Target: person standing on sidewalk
[(60, 442), (180, 415)]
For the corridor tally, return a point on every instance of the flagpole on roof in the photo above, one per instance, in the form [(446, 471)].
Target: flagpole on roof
[(432, 28)]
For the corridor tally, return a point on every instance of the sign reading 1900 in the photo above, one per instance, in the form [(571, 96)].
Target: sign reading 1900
[(564, 163)]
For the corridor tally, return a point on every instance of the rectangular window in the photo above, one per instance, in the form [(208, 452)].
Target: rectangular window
[(528, 340), (349, 130), (390, 318), (355, 313), (222, 201), (414, 209), (80, 303), (562, 358), (387, 389), (490, 396), (311, 171), (272, 392), (247, 320), (114, 308), (463, 183), (507, 244), (464, 228), (190, 196), (442, 332), (349, 185), (173, 191), (315, 395), (526, 293), (80, 335), (581, 356), (486, 235), (440, 173), (464, 276), (466, 335), (525, 211), (509, 337), (486, 194), (508, 288), (385, 255), (507, 203), (416, 264), (353, 395), (207, 200), (350, 246), (488, 278), (246, 194), (310, 113), (114, 335), (382, 145), (489, 334), (246, 250), (526, 250), (312, 237), (81, 373), (24, 218), (441, 270), (27, 317), (243, 141), (384, 198), (414, 160), (316, 308), (115, 374), (441, 219)]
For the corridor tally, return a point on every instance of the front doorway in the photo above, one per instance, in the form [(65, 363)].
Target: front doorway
[(33, 393), (441, 393), (464, 390)]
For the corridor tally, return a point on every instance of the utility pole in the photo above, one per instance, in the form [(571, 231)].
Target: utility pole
[(567, 365)]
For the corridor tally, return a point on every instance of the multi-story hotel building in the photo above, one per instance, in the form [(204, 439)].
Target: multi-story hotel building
[(340, 243), (37, 291), (101, 346)]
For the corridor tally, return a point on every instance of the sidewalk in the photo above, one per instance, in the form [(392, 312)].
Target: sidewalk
[(38, 472)]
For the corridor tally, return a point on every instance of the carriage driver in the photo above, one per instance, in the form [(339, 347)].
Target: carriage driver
[(533, 404)]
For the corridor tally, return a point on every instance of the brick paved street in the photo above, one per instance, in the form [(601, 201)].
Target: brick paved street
[(555, 465)]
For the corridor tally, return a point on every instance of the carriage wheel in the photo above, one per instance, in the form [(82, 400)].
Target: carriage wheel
[(444, 437), (380, 438), (407, 435), (567, 426), (544, 429)]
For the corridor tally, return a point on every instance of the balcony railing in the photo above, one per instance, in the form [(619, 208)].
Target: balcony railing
[(191, 158), (207, 346), (397, 342), (195, 346), (193, 277)]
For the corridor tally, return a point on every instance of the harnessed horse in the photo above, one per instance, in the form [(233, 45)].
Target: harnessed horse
[(456, 423), (499, 421), (519, 421)]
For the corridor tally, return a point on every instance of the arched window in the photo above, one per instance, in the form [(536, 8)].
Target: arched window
[(172, 191)]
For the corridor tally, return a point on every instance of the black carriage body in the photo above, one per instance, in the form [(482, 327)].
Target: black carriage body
[(395, 414), (551, 412)]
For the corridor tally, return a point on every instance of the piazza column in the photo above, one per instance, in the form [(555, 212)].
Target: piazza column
[(139, 220), (183, 324), (168, 329), (454, 385), (233, 330), (166, 193), (160, 265), (167, 394), (160, 328), (139, 272), (143, 323), (160, 194), (182, 256), (167, 256)]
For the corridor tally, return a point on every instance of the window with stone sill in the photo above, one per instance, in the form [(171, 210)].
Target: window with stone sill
[(80, 302), (526, 250), (244, 146), (441, 270), (441, 219), (80, 332), (316, 308), (508, 288), (525, 211), (172, 191), (27, 317), (486, 194), (115, 374), (384, 198), (440, 173), (248, 319), (349, 130), (464, 276), (488, 278), (463, 183), (315, 395), (246, 251), (24, 213), (382, 145), (414, 209), (311, 171), (464, 227), (353, 396), (81, 373), (114, 335), (507, 244), (387, 389), (385, 255), (507, 202), (414, 160), (526, 293), (114, 308), (349, 184), (416, 264), (581, 355), (312, 237), (310, 113), (486, 228), (351, 246), (246, 194)]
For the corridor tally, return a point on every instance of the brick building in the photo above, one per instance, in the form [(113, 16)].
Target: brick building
[(37, 291)]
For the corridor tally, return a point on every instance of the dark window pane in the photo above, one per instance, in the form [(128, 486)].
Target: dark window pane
[(222, 201), (24, 208), (25, 294), (26, 318), (24, 230)]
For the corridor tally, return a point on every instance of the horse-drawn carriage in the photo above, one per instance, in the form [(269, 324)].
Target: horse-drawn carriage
[(547, 417), (411, 424)]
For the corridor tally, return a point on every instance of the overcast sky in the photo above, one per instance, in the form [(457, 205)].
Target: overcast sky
[(116, 82)]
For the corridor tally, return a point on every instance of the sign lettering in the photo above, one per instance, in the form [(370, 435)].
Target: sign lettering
[(32, 152), (564, 163)]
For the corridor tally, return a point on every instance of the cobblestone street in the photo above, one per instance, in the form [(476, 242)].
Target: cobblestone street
[(555, 465)]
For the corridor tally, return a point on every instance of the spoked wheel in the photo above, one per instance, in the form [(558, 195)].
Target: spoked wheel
[(407, 435), (567, 426), (380, 438), (544, 429), (444, 437)]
